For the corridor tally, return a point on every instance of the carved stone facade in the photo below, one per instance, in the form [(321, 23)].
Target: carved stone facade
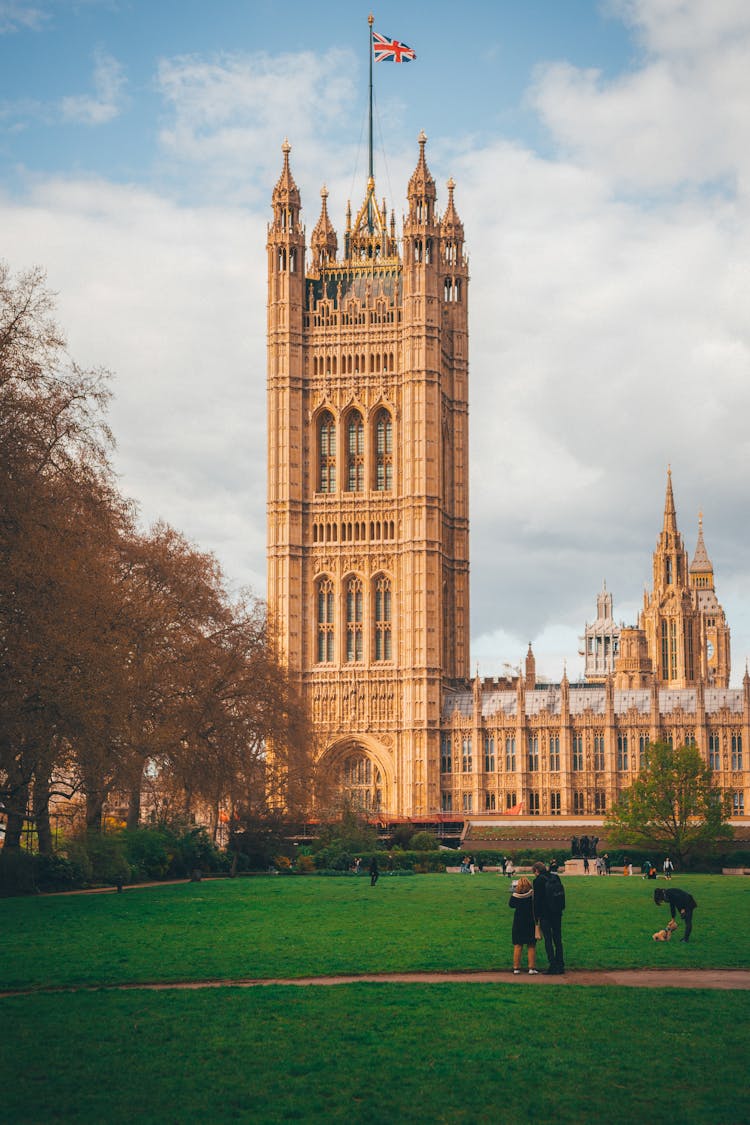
[(368, 552)]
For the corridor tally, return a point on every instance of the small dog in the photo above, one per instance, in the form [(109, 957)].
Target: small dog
[(666, 933)]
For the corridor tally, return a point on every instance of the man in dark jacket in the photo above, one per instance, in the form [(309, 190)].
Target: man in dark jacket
[(678, 901), (549, 918)]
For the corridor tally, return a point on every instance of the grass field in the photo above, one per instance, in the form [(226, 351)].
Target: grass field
[(366, 1052)]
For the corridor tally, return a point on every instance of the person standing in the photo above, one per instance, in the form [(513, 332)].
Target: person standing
[(668, 868), (374, 871), (523, 932), (549, 904), (680, 901)]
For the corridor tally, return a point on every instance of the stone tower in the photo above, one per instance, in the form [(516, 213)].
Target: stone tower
[(368, 552), (672, 616), (715, 647)]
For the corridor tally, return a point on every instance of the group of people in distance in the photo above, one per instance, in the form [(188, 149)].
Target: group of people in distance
[(537, 914)]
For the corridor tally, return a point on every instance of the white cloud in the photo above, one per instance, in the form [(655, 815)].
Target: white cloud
[(228, 115), (171, 299), (679, 119), (15, 15), (107, 100)]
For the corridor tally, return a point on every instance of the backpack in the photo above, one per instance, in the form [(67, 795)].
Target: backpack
[(554, 893)]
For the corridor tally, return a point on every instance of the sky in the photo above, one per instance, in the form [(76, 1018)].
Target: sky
[(601, 154)]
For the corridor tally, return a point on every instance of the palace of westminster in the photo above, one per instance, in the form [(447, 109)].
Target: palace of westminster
[(368, 552)]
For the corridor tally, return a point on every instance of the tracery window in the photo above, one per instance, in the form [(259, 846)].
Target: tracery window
[(325, 647), (355, 612), (382, 622), (554, 753), (598, 751), (361, 782), (327, 447), (533, 751), (622, 751), (736, 750), (383, 452), (489, 754), (578, 752), (355, 453), (642, 750), (510, 755), (714, 752), (446, 753)]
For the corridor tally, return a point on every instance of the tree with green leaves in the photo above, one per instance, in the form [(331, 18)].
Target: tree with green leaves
[(672, 805)]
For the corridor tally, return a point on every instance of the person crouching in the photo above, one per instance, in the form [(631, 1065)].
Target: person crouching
[(523, 932)]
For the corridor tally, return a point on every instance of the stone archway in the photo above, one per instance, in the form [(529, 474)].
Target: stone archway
[(360, 772)]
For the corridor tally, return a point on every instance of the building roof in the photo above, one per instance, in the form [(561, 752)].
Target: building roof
[(503, 703)]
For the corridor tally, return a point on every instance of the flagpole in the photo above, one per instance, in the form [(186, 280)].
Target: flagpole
[(371, 21)]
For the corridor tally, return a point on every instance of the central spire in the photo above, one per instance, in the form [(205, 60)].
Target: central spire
[(670, 516)]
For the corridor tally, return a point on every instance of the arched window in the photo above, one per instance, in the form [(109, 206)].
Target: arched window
[(355, 453), (325, 647), (327, 444), (361, 782), (355, 611), (383, 452), (383, 618)]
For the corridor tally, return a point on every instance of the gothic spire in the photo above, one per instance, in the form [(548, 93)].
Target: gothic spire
[(701, 562), (670, 516)]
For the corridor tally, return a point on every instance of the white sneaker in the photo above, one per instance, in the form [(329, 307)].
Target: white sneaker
[(533, 972), (516, 972)]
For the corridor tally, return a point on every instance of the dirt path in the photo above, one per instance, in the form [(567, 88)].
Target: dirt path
[(627, 978)]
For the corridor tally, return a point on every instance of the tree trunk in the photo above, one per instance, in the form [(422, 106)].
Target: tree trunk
[(134, 807), (94, 810), (16, 817), (41, 815)]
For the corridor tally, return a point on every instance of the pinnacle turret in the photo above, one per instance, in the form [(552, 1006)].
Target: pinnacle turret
[(451, 225), (421, 192), (323, 242), (286, 192)]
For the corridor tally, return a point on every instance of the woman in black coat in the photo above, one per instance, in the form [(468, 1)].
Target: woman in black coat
[(523, 932)]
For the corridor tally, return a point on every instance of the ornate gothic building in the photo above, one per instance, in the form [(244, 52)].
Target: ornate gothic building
[(368, 550)]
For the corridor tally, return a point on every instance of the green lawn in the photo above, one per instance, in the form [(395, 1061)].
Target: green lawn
[(509, 1052), (272, 927), (378, 1053)]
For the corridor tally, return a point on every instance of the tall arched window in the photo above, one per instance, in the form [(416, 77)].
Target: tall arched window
[(355, 612), (327, 445), (355, 453), (383, 452), (325, 646), (382, 623), (361, 782)]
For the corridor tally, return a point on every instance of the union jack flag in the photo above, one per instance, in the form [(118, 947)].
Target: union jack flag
[(390, 50)]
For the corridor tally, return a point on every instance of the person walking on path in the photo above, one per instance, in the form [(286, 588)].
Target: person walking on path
[(523, 932), (549, 903), (374, 872), (680, 901)]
